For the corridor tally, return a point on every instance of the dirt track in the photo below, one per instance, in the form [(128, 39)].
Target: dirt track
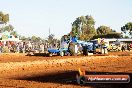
[(17, 70)]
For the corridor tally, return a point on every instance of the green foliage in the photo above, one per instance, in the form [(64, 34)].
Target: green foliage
[(127, 28), (8, 28), (35, 39), (4, 17), (22, 38), (83, 27), (126, 36), (50, 38), (111, 35), (14, 33), (53, 41), (102, 30), (1, 16), (107, 32)]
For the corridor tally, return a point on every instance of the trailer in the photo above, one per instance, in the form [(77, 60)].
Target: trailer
[(53, 52), (61, 51)]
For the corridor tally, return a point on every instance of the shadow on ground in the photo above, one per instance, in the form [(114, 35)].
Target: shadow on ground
[(70, 78), (38, 54)]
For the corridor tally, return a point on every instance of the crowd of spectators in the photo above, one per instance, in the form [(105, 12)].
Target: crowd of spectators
[(22, 47)]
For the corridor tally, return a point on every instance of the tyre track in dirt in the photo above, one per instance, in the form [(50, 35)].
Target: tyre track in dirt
[(29, 68), (17, 69), (60, 73)]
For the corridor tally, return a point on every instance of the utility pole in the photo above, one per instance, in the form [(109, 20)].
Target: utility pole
[(49, 37), (49, 31)]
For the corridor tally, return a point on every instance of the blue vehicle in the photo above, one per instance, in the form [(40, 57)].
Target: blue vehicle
[(61, 51), (53, 51), (90, 47)]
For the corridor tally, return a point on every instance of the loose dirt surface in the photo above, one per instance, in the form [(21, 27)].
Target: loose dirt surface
[(20, 71)]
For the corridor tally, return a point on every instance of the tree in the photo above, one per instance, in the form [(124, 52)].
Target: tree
[(14, 33), (103, 30), (111, 35), (83, 27), (50, 38), (8, 28), (35, 39), (107, 32), (23, 38), (53, 42), (127, 28), (126, 36), (4, 18)]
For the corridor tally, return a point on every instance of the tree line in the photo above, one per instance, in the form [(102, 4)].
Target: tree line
[(83, 27)]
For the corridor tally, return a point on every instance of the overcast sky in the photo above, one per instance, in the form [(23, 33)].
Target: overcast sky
[(35, 17)]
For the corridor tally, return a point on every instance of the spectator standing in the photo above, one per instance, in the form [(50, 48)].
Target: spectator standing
[(0, 47), (123, 48)]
